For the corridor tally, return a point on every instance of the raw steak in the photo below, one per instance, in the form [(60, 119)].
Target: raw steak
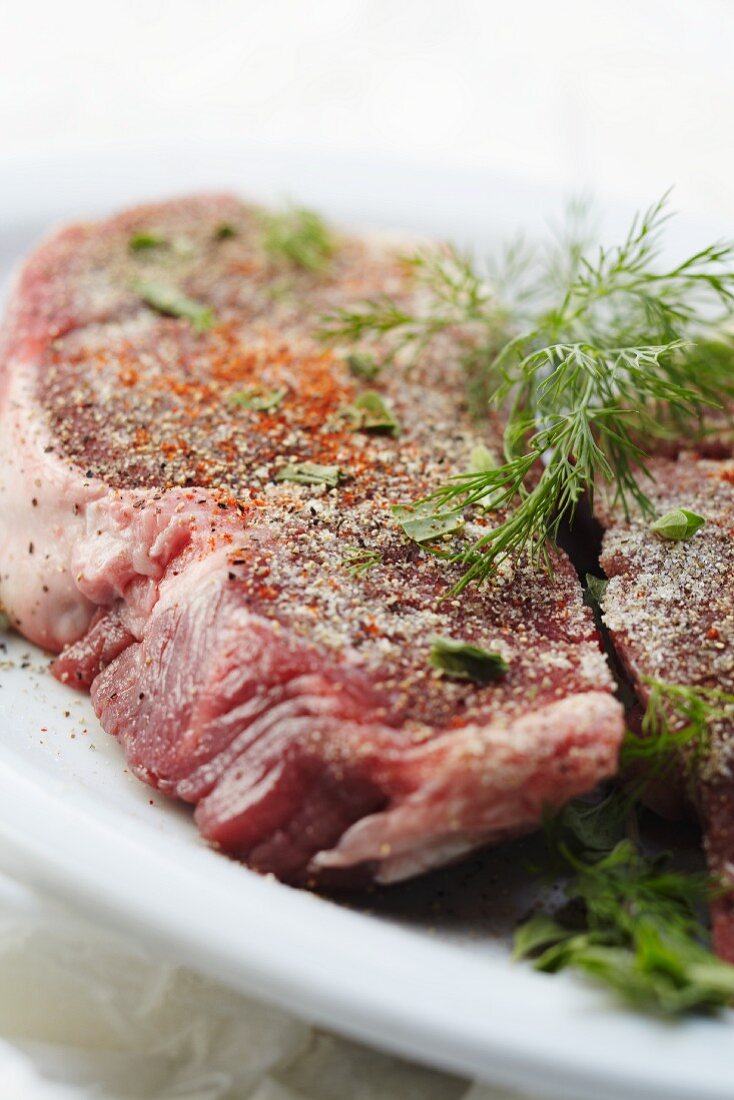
[(260, 646), (670, 613)]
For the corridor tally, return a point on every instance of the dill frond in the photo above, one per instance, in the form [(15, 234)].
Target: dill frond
[(454, 296), (609, 353), (678, 722), (359, 560)]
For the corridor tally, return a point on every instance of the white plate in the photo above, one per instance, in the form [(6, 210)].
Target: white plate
[(422, 970)]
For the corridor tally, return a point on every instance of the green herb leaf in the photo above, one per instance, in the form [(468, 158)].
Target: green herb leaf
[(259, 400), (372, 413), (363, 365), (171, 302), (224, 232), (144, 240), (592, 825), (677, 525), (464, 661), (298, 237), (634, 923), (538, 931), (640, 933), (310, 473), (422, 525), (596, 588)]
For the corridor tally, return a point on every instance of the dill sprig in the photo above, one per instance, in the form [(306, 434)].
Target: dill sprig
[(451, 295), (678, 719), (632, 922), (454, 294), (584, 383), (359, 560)]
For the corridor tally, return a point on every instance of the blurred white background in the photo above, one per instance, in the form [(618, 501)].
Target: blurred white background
[(625, 97)]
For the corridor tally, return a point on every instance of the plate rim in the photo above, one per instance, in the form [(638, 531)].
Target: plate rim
[(362, 1009)]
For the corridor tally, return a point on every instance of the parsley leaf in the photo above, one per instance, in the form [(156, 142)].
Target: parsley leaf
[(145, 240), (173, 303), (422, 526), (677, 525), (371, 413), (310, 473), (363, 365), (224, 232), (637, 929), (465, 661), (257, 399), (298, 237), (632, 922)]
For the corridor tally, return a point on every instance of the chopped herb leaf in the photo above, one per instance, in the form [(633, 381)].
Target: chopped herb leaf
[(371, 413), (592, 825), (224, 232), (595, 589), (141, 242), (421, 525), (171, 302), (310, 473), (538, 931), (464, 661), (677, 525), (299, 237), (258, 400), (363, 365)]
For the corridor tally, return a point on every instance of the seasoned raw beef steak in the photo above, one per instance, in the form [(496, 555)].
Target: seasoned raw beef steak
[(669, 608), (256, 633)]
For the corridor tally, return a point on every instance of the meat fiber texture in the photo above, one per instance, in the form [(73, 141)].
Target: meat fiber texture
[(260, 647), (669, 610)]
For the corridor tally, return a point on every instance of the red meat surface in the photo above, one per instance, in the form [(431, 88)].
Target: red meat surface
[(260, 647), (669, 610)]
